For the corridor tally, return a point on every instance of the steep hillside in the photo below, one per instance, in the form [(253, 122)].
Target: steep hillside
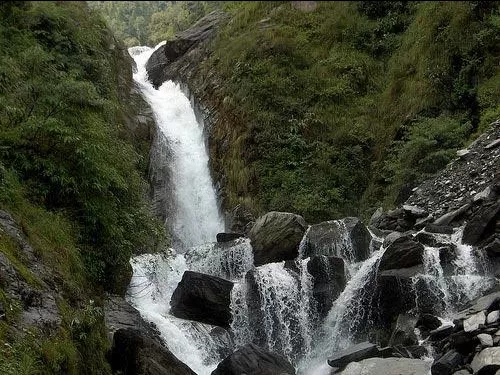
[(334, 108), (73, 163)]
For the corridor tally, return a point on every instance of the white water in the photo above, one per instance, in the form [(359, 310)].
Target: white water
[(196, 219)]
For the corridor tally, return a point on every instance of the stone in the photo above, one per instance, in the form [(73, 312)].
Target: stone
[(404, 331), (347, 238), (353, 354), (251, 359), (461, 372), (478, 225), (240, 219), (442, 332), (493, 144), (226, 237), (376, 216), (387, 366), (430, 239), (472, 323), (428, 321), (493, 247), (487, 358), (442, 229), (485, 339), (462, 152), (203, 298), (415, 211), (447, 363), (482, 195), (329, 280), (463, 342), (133, 352), (276, 236), (451, 216), (493, 317), (402, 253)]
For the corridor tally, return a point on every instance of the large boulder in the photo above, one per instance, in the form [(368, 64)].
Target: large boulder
[(483, 222), (203, 298), (135, 353), (487, 359), (254, 360), (347, 238), (276, 236), (387, 366), (403, 252), (329, 280), (354, 353)]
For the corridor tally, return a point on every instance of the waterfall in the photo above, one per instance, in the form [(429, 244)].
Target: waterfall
[(195, 219)]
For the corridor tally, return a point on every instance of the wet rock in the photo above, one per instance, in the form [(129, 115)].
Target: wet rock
[(442, 229), (414, 211), (478, 225), (430, 240), (347, 238), (202, 298), (329, 280), (403, 333), (487, 360), (485, 339), (388, 366), (133, 352), (493, 247), (453, 215), (472, 323), (276, 237), (441, 332), (428, 322), (252, 359), (353, 354), (447, 364), (402, 253), (226, 237), (463, 342), (493, 317)]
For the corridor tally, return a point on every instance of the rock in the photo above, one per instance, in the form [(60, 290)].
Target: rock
[(442, 229), (133, 352), (493, 247), (462, 152), (403, 333), (387, 366), (442, 332), (428, 321), (226, 237), (463, 342), (390, 238), (488, 358), (493, 144), (479, 223), (451, 216), (447, 364), (402, 253), (376, 216), (251, 359), (276, 237), (329, 280), (353, 354), (347, 238), (482, 195), (493, 317), (240, 219), (203, 298), (414, 211), (472, 323), (485, 339), (429, 239), (461, 372)]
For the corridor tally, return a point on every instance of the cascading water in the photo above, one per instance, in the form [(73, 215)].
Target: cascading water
[(272, 305)]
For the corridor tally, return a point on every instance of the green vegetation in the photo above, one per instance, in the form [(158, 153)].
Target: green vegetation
[(338, 110), (150, 22), (71, 175)]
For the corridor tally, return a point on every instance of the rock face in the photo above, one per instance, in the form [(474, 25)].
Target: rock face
[(347, 238), (387, 366), (329, 280), (134, 352), (253, 360), (203, 298), (403, 252), (276, 237)]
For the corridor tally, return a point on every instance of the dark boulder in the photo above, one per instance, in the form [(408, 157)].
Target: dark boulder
[(428, 322), (447, 364), (254, 360), (226, 237), (483, 222), (347, 238), (202, 298), (354, 353), (463, 342), (240, 219), (134, 353), (429, 239), (276, 236), (403, 333), (441, 229), (329, 280), (403, 252)]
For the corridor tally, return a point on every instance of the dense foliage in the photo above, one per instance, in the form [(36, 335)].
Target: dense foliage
[(150, 22), (339, 109)]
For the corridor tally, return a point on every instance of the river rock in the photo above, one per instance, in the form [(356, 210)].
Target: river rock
[(203, 298), (387, 366), (441, 229), (485, 339), (472, 323), (329, 280), (276, 236), (488, 358), (353, 354), (226, 237), (403, 252), (347, 238), (447, 363), (403, 333), (428, 322), (252, 359), (478, 225), (133, 352), (463, 342), (430, 239)]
